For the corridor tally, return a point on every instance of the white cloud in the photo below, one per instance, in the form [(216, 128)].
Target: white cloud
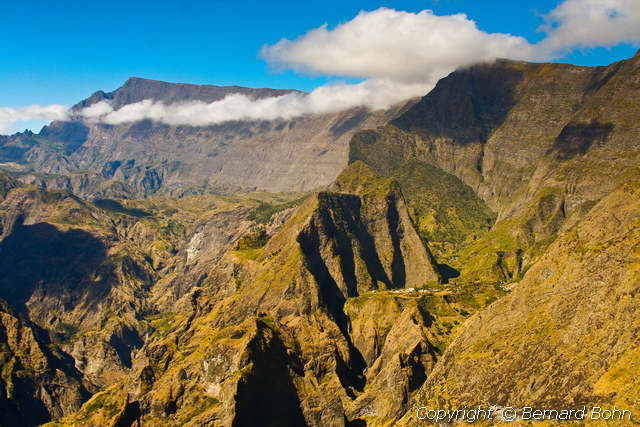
[(9, 116), (396, 45), (375, 93), (590, 23), (97, 110)]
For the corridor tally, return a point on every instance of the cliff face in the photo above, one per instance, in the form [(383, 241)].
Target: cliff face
[(39, 381), (395, 234), (554, 150), (135, 293), (567, 334), (64, 267), (510, 129), (144, 157), (79, 277), (6, 184), (276, 321)]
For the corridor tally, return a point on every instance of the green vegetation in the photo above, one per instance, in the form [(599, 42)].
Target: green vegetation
[(265, 210), (100, 401), (253, 240), (250, 246), (446, 211), (458, 226), (444, 208), (7, 372), (206, 403), (249, 254), (268, 322), (99, 410), (443, 310), (161, 322), (116, 206), (573, 310)]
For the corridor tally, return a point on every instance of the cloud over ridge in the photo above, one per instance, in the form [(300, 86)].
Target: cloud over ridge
[(375, 94), (399, 55)]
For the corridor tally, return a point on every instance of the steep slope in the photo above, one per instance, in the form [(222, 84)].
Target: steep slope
[(6, 184), (446, 211), (567, 335), (142, 158), (63, 264), (331, 308), (269, 323), (84, 272), (38, 380), (537, 124), (335, 318), (94, 280), (554, 150), (360, 180)]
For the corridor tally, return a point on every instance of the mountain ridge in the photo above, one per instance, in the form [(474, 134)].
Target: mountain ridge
[(136, 89)]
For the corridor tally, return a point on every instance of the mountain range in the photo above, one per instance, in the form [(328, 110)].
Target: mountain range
[(142, 158), (477, 246)]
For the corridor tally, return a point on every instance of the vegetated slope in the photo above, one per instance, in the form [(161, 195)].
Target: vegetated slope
[(38, 380), (142, 158), (554, 149), (67, 265), (333, 312), (539, 143), (337, 318), (507, 128), (567, 335), (446, 211), (80, 280)]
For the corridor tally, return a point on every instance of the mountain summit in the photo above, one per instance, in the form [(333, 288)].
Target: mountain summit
[(137, 89)]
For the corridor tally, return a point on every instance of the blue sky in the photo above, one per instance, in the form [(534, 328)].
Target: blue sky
[(62, 51)]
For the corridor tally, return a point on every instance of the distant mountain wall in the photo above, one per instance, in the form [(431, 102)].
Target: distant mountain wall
[(145, 157)]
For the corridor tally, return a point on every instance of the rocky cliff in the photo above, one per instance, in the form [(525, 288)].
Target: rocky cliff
[(78, 279), (39, 381), (567, 335), (268, 328), (554, 150)]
